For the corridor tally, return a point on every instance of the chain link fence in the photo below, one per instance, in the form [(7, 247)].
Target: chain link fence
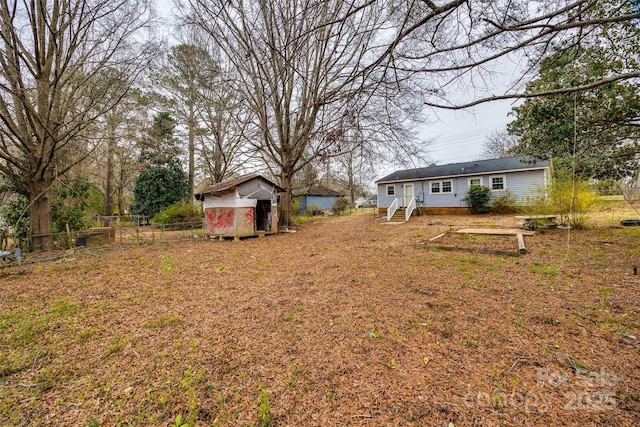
[(109, 230)]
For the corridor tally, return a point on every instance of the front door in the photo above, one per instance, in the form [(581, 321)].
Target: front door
[(408, 194)]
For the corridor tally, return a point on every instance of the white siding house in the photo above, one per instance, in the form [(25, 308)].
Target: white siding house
[(445, 186)]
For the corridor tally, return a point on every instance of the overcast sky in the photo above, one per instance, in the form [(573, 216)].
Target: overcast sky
[(458, 136)]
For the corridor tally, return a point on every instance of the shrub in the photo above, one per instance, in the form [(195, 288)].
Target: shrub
[(340, 205), (158, 187), (295, 205), (181, 212), (478, 198), (314, 209), (537, 205), (69, 204), (16, 218), (572, 201), (504, 203)]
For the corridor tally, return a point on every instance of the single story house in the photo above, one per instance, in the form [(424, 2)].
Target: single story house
[(240, 207), (317, 198), (440, 189)]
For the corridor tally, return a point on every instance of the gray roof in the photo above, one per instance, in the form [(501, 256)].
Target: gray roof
[(478, 167), (318, 190), (231, 184)]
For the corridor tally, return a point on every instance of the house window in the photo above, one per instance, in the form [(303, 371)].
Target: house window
[(391, 190), (440, 187), (498, 183), (475, 181)]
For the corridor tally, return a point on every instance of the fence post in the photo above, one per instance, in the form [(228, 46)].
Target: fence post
[(69, 235)]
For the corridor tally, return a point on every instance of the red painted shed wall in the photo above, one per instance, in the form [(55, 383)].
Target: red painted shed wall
[(229, 221)]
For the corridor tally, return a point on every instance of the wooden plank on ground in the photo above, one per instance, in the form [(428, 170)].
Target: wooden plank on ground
[(437, 237), (496, 231), (521, 247), (530, 217)]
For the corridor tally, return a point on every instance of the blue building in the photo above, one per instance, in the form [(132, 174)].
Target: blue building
[(317, 198)]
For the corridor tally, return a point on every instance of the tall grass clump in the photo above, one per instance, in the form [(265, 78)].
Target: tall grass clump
[(572, 201)]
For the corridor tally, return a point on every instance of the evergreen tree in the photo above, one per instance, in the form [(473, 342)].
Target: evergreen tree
[(594, 130), (163, 182), (159, 187)]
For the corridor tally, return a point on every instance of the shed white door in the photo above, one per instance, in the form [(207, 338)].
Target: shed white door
[(408, 194)]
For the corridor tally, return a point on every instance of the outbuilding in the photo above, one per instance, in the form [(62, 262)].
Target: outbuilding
[(241, 207), (317, 198)]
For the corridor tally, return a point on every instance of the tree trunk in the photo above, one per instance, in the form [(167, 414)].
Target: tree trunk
[(286, 219), (120, 192), (192, 150), (108, 190), (40, 194), (350, 173)]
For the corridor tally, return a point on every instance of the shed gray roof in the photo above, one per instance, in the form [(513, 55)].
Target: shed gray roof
[(231, 184), (478, 167)]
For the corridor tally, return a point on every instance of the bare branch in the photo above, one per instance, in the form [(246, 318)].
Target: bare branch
[(562, 91)]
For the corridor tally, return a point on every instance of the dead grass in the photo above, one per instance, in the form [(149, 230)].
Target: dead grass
[(345, 322)]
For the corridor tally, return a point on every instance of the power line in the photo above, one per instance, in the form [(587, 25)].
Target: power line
[(458, 145), (478, 130), (463, 137), (468, 158)]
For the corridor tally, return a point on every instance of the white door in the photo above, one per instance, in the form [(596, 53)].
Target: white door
[(408, 194)]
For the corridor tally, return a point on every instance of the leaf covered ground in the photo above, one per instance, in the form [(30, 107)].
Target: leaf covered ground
[(347, 321)]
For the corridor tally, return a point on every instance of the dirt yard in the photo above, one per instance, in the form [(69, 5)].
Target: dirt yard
[(348, 321)]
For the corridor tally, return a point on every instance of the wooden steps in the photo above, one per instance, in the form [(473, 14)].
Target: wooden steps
[(398, 216)]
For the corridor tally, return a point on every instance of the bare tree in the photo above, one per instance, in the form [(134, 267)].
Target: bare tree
[(461, 44), (186, 69), (52, 88), (115, 160), (300, 64), (377, 136), (352, 164), (225, 124), (499, 144)]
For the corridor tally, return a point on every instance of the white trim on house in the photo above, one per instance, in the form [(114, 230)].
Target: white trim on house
[(440, 186), (407, 195), (469, 183), (503, 183)]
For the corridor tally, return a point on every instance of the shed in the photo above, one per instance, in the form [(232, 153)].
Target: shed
[(241, 207), (317, 197)]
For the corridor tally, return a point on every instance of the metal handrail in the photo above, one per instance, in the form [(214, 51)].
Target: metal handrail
[(392, 209), (410, 208)]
